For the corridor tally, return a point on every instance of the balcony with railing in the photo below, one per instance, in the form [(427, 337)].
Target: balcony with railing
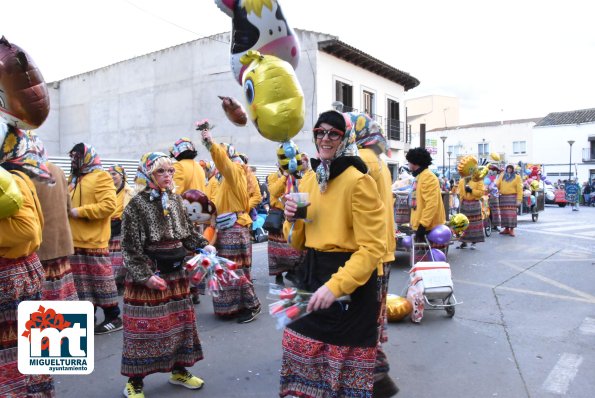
[(395, 130), (589, 154)]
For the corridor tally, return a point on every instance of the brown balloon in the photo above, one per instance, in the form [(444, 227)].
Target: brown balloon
[(234, 111), (24, 98)]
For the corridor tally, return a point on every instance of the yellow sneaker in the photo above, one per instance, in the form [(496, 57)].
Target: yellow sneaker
[(133, 391), (186, 379)]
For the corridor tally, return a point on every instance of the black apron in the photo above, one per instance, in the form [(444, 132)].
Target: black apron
[(351, 324)]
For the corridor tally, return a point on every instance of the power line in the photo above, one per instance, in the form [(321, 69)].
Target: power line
[(173, 23)]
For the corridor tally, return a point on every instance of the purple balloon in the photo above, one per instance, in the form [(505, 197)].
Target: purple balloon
[(406, 241), (441, 235), (437, 255)]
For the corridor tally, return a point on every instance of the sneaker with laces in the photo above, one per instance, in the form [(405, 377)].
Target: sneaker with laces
[(186, 379), (109, 326), (472, 247), (133, 390), (249, 315)]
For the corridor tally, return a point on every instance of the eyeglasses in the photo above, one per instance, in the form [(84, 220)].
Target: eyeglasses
[(162, 171), (333, 134)]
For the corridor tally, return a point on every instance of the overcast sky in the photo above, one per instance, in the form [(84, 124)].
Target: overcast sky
[(502, 59)]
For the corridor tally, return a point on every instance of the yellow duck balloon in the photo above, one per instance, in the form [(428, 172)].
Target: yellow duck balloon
[(467, 165), (274, 97)]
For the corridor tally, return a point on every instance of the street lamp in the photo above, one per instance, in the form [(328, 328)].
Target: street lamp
[(443, 138), (570, 142), (449, 153)]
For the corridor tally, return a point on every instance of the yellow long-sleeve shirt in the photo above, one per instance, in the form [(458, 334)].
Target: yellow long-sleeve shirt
[(429, 210), (276, 183), (20, 234), (477, 189), (510, 187), (211, 189), (232, 195), (379, 171), (348, 217), (122, 199), (188, 175), (94, 197), (254, 194)]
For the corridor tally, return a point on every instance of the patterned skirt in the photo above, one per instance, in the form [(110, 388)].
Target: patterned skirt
[(402, 209), (21, 279), (475, 232), (115, 253), (311, 368), (495, 210), (282, 257), (93, 276), (234, 244), (59, 282), (160, 330), (508, 211)]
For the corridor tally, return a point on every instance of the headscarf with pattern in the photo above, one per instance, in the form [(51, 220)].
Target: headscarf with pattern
[(84, 160), (232, 153), (144, 177), (118, 168), (508, 177), (346, 147), (368, 132), (24, 151), (182, 145)]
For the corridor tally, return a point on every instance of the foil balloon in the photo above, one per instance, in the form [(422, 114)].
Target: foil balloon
[(495, 156), (441, 234), (467, 165), (198, 206), (479, 173), (459, 223), (11, 198), (259, 25), (287, 154), (397, 308), (234, 111), (274, 96), (24, 98), (535, 185), (406, 241)]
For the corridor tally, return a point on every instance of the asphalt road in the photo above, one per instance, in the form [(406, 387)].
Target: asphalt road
[(526, 327)]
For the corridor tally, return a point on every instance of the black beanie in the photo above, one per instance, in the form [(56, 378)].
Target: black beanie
[(332, 117)]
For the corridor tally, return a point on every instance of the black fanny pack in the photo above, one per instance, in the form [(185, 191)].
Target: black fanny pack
[(116, 227), (169, 260)]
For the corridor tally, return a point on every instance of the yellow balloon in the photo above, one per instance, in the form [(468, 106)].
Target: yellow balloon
[(11, 198), (274, 97), (495, 156), (397, 307), (467, 165), (459, 223)]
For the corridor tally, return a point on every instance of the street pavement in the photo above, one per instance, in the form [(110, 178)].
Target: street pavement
[(525, 328)]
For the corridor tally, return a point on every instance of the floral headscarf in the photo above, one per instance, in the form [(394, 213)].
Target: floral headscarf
[(182, 145), (368, 132), (118, 168), (232, 153), (84, 161), (508, 177), (144, 178), (23, 150), (346, 147)]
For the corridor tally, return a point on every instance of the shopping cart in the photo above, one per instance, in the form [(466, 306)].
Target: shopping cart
[(432, 279)]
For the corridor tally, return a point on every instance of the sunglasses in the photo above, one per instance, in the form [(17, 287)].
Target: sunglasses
[(162, 171), (333, 134)]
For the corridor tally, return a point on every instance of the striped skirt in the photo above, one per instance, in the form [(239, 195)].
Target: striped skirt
[(495, 210), (93, 276), (402, 210), (475, 232), (59, 282), (234, 244), (508, 211), (21, 279), (311, 368), (160, 330), (382, 366), (282, 257), (115, 253)]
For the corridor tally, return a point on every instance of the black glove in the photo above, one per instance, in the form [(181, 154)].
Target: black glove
[(468, 189), (420, 234)]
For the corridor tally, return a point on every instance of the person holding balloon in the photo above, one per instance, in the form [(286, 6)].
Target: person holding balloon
[(332, 350), (511, 194), (21, 272), (471, 190), (427, 209), (232, 200)]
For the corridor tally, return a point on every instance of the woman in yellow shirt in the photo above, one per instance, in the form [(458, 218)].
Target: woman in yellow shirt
[(345, 242), (21, 272), (93, 198), (189, 173), (232, 201), (471, 189), (123, 195), (511, 193)]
